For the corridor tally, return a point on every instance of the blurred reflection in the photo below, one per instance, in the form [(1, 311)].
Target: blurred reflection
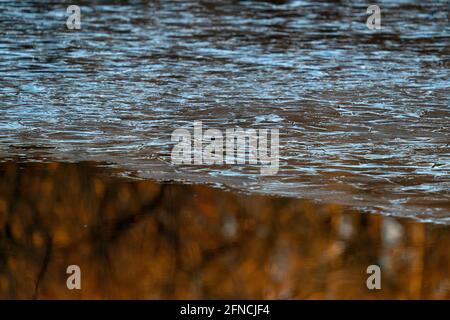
[(143, 240)]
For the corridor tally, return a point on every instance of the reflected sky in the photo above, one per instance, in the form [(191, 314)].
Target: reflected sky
[(363, 114)]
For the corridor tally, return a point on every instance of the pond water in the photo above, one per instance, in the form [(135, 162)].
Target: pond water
[(137, 239), (363, 114)]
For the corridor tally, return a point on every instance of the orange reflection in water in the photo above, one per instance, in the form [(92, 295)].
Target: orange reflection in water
[(144, 240)]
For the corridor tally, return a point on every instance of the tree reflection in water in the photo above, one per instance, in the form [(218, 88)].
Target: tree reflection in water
[(138, 239)]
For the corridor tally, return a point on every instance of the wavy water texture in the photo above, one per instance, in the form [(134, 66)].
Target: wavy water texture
[(363, 114)]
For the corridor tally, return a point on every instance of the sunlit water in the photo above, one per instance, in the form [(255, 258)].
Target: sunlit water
[(363, 114)]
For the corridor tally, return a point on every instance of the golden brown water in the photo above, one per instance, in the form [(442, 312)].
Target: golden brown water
[(138, 239)]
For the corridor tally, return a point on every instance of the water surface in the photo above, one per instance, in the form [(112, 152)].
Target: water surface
[(363, 114), (137, 239)]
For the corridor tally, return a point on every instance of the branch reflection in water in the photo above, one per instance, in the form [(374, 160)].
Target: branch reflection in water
[(136, 239)]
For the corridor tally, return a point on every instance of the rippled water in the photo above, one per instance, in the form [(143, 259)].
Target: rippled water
[(363, 114)]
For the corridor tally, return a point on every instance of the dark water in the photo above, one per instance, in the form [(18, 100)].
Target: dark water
[(143, 240), (363, 114)]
